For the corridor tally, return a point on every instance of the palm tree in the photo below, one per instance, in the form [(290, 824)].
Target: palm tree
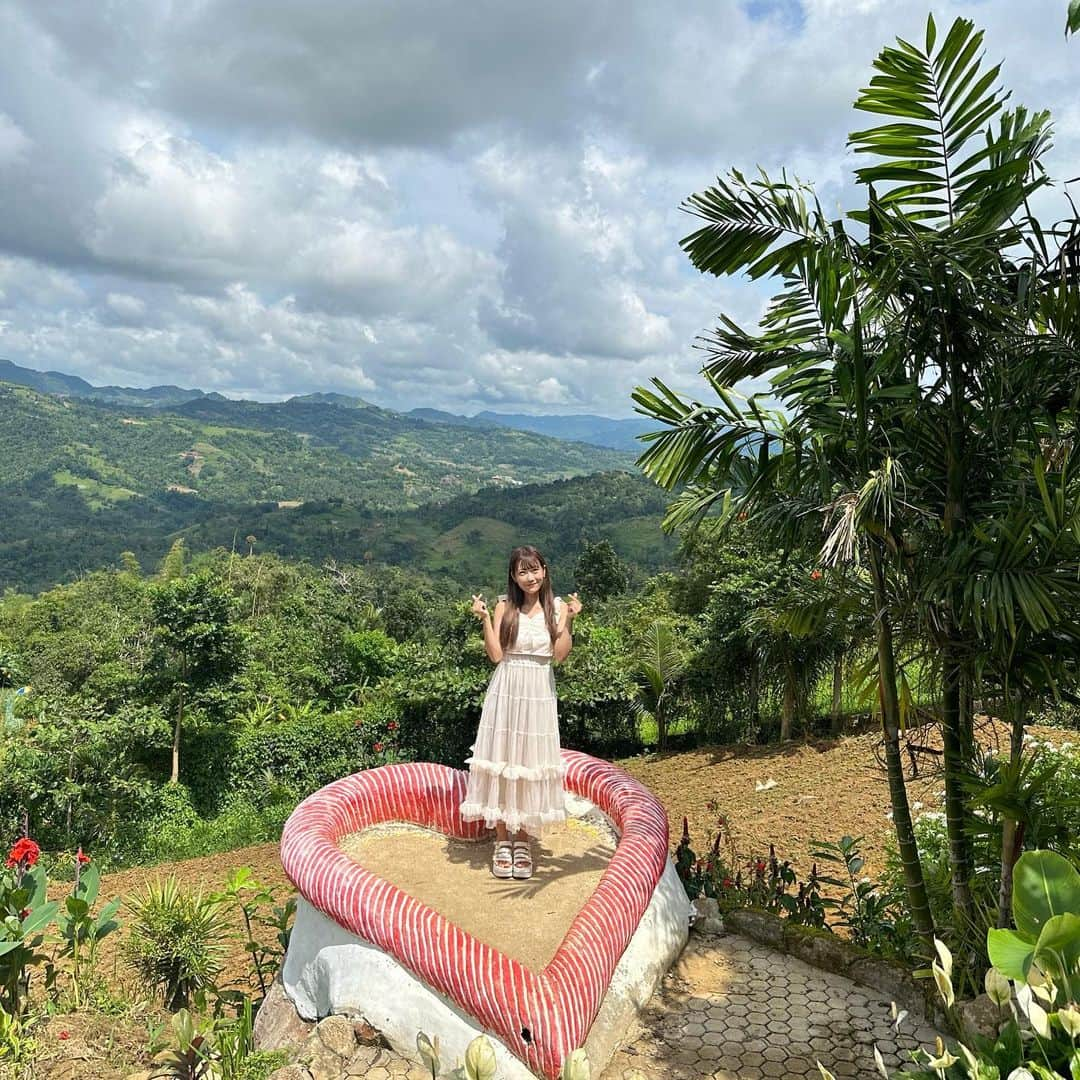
[(658, 664), (914, 348)]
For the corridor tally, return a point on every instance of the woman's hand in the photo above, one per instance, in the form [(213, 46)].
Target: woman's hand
[(479, 607), (573, 606)]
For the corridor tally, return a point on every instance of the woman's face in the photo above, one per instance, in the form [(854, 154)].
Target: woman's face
[(529, 578)]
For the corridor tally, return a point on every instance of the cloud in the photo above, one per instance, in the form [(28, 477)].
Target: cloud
[(461, 206)]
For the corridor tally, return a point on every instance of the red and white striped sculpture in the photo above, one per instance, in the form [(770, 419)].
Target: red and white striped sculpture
[(539, 1017)]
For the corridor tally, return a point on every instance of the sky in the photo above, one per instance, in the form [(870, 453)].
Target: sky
[(462, 205)]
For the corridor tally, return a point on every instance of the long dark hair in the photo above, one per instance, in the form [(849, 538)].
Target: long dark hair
[(530, 558)]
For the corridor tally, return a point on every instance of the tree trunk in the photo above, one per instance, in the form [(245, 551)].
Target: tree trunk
[(1012, 832), (174, 777), (837, 724), (755, 695), (787, 716), (918, 899), (957, 754)]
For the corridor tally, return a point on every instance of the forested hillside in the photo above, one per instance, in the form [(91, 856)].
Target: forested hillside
[(81, 482)]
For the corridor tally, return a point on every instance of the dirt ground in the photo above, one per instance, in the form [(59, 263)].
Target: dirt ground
[(526, 920)]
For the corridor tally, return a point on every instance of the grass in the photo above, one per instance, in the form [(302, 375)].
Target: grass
[(98, 495)]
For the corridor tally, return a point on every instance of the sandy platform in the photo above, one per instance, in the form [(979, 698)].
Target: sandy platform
[(526, 920)]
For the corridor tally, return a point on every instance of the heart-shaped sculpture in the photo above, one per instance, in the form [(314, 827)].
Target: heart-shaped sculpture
[(539, 1016)]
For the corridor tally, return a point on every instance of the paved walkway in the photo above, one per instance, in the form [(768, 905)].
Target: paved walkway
[(732, 1009)]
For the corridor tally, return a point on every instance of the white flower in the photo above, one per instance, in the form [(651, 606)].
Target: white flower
[(944, 985), (944, 1059), (1069, 1018), (1035, 1013), (944, 955), (879, 1061), (998, 988)]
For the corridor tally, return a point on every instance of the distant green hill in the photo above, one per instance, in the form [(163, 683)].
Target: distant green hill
[(585, 427), (467, 539), (56, 382), (81, 481)]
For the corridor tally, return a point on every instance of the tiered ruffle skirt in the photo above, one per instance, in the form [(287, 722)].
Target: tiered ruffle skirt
[(515, 771)]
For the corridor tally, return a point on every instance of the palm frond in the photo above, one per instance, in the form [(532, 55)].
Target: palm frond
[(938, 158), (760, 227)]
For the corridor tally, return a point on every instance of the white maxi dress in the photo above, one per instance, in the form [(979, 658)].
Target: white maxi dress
[(515, 771)]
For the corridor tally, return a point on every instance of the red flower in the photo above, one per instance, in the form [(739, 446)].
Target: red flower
[(24, 853), (63, 1035), (760, 866), (816, 575), (80, 858), (23, 914), (392, 726), (377, 748), (727, 883)]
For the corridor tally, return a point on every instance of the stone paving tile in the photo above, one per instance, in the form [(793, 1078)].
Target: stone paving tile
[(732, 1009)]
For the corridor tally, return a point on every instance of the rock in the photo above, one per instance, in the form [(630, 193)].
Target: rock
[(277, 1024), (329, 1048), (980, 1016), (759, 925), (707, 918), (819, 948), (366, 1035), (367, 1058), (893, 981), (337, 1035), (290, 1072)]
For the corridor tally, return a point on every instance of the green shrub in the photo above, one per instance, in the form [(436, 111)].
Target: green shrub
[(300, 755), (372, 655), (177, 941), (182, 834)]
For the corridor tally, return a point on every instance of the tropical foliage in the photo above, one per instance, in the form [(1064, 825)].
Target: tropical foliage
[(923, 352)]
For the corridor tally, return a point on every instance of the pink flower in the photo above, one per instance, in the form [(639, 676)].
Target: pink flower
[(816, 575), (392, 726), (63, 1035)]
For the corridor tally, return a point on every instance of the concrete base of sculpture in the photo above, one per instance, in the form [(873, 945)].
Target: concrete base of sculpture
[(429, 975), (329, 971)]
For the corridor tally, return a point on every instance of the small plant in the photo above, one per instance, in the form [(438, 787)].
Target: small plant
[(183, 1048), (1033, 981), (711, 875), (252, 900), (81, 932), (876, 922), (17, 1046), (480, 1063), (767, 883), (177, 941), (24, 915)]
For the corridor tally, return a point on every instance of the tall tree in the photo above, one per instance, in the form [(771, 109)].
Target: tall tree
[(196, 644), (920, 350)]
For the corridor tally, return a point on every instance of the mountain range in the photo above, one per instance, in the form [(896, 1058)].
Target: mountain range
[(585, 427), (85, 477)]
